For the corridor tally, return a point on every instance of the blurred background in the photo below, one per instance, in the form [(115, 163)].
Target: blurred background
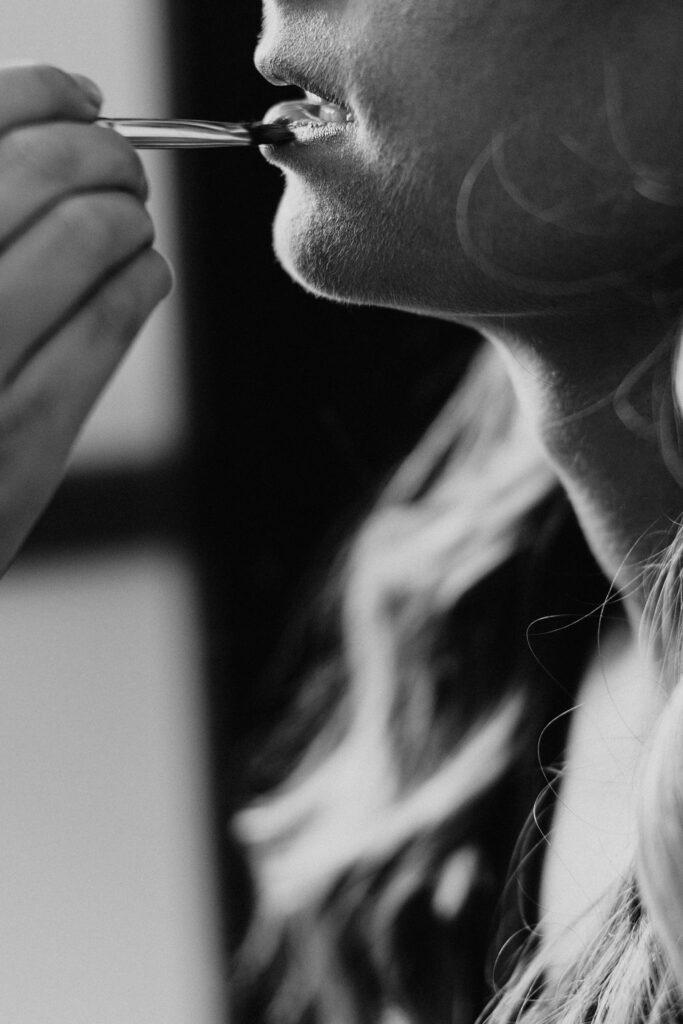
[(141, 628)]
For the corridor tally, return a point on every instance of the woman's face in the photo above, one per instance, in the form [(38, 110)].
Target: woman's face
[(505, 156)]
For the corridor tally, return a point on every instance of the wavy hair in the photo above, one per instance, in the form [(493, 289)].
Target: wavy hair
[(380, 862)]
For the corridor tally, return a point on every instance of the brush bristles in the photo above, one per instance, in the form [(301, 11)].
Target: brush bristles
[(271, 134)]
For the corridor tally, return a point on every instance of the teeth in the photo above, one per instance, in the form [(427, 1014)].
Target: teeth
[(333, 114), (311, 109), (290, 110)]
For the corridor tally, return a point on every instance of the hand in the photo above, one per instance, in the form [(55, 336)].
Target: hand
[(78, 278)]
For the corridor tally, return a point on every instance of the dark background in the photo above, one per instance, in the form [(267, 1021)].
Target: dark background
[(300, 405), (299, 408)]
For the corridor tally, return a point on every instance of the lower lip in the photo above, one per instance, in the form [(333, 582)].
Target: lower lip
[(304, 120), (316, 131), (311, 140)]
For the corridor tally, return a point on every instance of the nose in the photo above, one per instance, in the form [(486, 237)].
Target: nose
[(265, 69)]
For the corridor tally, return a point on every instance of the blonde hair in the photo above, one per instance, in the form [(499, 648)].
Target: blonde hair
[(375, 830)]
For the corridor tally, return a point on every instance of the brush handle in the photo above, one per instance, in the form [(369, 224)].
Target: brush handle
[(159, 134)]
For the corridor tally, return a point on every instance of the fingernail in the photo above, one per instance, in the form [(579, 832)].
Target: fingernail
[(91, 90)]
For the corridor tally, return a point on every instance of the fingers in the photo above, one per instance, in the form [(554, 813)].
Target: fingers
[(51, 269), (45, 154), (90, 88), (78, 277), (34, 93), (41, 164), (42, 410), (66, 376)]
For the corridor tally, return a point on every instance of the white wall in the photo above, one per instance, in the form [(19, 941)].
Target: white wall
[(106, 891), (105, 886)]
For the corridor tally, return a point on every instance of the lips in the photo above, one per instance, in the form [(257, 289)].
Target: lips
[(321, 102), (309, 111)]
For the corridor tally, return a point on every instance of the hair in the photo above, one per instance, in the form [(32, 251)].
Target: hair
[(466, 607)]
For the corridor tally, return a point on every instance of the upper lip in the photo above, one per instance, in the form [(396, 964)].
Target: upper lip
[(279, 72)]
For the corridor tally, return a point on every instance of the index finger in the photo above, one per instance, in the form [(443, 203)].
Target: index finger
[(32, 93)]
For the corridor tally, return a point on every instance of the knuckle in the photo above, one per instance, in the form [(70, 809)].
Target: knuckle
[(68, 157), (47, 75), (41, 93), (38, 93), (106, 227), (125, 303), (45, 152), (81, 220), (21, 150), (118, 314), (53, 81), (160, 277), (125, 165)]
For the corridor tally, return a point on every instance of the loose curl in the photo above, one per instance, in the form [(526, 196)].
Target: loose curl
[(380, 863)]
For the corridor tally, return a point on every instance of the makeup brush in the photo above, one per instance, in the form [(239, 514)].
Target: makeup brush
[(276, 129), (157, 134)]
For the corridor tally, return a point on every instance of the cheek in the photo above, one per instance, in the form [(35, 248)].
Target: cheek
[(557, 215), (504, 239), (479, 178)]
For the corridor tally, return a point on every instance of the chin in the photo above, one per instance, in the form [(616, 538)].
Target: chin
[(353, 248), (322, 248), (348, 249)]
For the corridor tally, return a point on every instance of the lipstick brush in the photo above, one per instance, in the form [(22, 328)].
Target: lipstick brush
[(276, 129), (158, 134)]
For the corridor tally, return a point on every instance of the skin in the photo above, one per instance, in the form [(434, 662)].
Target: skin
[(513, 166), (78, 277), (517, 167)]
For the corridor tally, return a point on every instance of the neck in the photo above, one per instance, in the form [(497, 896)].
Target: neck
[(598, 392)]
